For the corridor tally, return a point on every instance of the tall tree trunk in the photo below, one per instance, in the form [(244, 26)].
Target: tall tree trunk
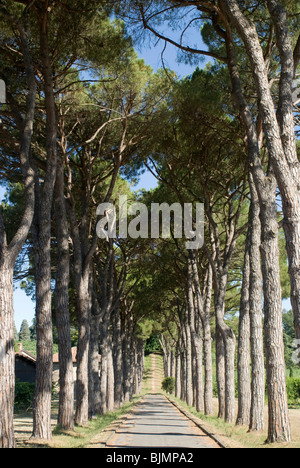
[(42, 246), (104, 366), (207, 346), (66, 378), (203, 310), (94, 368), (220, 372), (44, 363), (195, 331), (279, 427), (178, 369), (285, 117), (83, 279), (183, 367), (8, 257), (198, 375), (82, 387), (229, 341), (173, 360), (110, 397), (243, 361), (118, 356), (140, 365), (256, 319), (7, 352), (127, 356), (188, 356)]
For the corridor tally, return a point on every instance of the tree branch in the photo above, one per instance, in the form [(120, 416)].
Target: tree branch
[(178, 45)]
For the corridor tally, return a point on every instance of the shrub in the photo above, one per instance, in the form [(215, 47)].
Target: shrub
[(24, 393), (293, 391), (168, 384), (152, 345)]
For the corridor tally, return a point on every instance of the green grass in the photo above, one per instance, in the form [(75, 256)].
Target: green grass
[(147, 378), (238, 436)]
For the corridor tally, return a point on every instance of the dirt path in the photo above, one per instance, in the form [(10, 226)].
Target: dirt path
[(153, 360), (157, 373), (23, 425)]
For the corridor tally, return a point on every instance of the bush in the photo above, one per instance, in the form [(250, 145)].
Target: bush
[(24, 393), (168, 384), (293, 391), (152, 345)]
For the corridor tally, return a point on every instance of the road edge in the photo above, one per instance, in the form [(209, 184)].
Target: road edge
[(196, 421), (119, 422)]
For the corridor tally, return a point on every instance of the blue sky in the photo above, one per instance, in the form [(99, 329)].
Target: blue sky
[(152, 52)]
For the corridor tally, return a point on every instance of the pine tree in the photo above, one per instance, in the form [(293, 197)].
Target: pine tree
[(24, 334)]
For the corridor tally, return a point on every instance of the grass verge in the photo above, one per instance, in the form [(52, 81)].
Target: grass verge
[(238, 436)]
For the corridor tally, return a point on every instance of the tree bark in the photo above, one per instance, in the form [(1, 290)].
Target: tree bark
[(107, 286), (203, 302), (82, 256), (82, 387), (279, 425), (243, 361), (188, 357), (207, 345), (104, 365), (178, 369), (7, 354), (110, 402), (229, 341), (118, 357), (42, 241), (94, 366), (183, 367), (220, 372), (66, 378), (141, 363), (195, 331), (256, 319), (127, 355)]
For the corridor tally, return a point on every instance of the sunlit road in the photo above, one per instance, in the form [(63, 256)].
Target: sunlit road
[(157, 423)]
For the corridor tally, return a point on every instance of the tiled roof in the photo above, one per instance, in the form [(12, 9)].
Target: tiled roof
[(30, 357), (26, 355), (74, 355)]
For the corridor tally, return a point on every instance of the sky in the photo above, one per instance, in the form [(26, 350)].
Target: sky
[(153, 52)]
